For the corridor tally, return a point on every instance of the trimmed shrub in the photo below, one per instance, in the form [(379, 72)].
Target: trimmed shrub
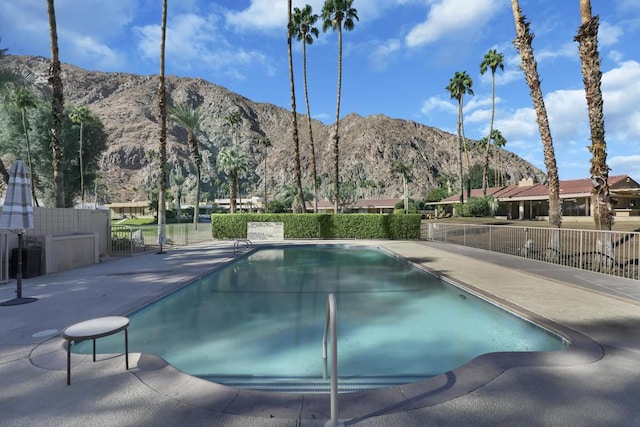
[(321, 226)]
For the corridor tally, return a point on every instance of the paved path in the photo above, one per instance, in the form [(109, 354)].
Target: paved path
[(595, 384)]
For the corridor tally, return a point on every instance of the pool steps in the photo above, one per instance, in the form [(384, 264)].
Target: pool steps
[(311, 385)]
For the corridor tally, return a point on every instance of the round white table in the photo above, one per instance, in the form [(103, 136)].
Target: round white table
[(93, 329)]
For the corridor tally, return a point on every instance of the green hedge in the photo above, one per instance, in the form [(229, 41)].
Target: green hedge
[(322, 226)]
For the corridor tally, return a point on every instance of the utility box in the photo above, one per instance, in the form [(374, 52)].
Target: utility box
[(31, 262)]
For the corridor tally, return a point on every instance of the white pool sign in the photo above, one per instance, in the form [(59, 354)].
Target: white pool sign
[(265, 231)]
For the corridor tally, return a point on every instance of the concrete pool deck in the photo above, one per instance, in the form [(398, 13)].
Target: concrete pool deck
[(596, 383)]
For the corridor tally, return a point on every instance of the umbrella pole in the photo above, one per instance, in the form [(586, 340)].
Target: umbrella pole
[(19, 300), (19, 272)]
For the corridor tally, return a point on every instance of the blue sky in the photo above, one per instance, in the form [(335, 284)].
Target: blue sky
[(397, 61)]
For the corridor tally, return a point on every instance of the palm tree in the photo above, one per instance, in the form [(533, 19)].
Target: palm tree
[(300, 206), (523, 41), (492, 60), (233, 120), (265, 143), (303, 26), (337, 14), (400, 168), (234, 164), (162, 132), (189, 118), (587, 39), (80, 115), (57, 110), (178, 181), (23, 99), (459, 85)]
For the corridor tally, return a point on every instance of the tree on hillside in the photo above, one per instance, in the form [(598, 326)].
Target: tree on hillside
[(398, 167), (498, 141), (265, 143), (177, 179), (162, 132), (189, 118), (6, 77), (80, 115), (298, 207), (303, 26), (234, 164), (492, 60), (459, 85), (22, 99), (338, 14), (587, 39), (57, 109), (233, 120)]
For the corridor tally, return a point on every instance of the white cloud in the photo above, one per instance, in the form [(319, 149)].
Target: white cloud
[(384, 52), (625, 165), (193, 42), (448, 17), (567, 50), (609, 34), (436, 104)]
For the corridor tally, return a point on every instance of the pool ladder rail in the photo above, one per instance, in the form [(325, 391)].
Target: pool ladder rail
[(331, 326), (238, 245)]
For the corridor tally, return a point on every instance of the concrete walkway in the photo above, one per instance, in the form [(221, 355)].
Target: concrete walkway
[(594, 383)]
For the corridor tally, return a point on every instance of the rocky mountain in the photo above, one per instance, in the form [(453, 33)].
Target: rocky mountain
[(126, 104)]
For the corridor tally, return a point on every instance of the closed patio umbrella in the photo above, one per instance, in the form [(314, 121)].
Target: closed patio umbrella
[(17, 216)]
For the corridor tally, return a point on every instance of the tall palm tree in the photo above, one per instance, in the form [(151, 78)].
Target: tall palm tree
[(162, 132), (265, 143), (178, 181), (404, 170), (80, 115), (57, 109), (338, 14), (233, 120), (23, 99), (587, 39), (492, 60), (522, 42), (189, 118), (459, 85), (299, 206), (303, 26), (233, 163)]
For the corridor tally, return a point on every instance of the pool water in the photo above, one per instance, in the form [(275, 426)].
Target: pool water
[(258, 322)]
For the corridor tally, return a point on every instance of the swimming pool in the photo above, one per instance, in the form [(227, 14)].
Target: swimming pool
[(258, 322)]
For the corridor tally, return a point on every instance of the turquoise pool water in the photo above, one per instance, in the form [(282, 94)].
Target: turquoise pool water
[(258, 322)]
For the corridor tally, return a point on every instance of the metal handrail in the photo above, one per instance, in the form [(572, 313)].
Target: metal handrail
[(236, 244), (331, 323)]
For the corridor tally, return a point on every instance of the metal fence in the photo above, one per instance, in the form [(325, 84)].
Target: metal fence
[(610, 252), (128, 240)]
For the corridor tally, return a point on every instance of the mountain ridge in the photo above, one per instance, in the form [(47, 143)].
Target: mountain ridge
[(126, 104)]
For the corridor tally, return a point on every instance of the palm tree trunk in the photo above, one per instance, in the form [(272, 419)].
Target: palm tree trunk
[(466, 152), (197, 206), (523, 43), (57, 110), (265, 180), (81, 169), (587, 39), (313, 150), (234, 194), (162, 132), (4, 172), (296, 140), (26, 138), (485, 168), (336, 135), (459, 128)]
